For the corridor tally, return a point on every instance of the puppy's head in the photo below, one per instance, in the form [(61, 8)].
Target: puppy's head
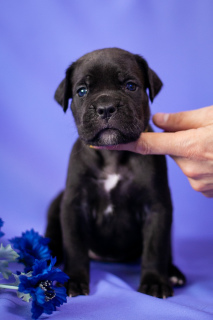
[(108, 89)]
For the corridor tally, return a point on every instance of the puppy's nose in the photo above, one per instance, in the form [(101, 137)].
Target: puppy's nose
[(105, 112)]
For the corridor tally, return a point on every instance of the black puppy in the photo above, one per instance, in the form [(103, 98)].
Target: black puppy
[(116, 205)]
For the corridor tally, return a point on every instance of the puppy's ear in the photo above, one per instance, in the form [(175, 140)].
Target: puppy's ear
[(64, 91), (152, 81)]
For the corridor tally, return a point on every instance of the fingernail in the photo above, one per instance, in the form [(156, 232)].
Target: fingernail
[(161, 118), (95, 147)]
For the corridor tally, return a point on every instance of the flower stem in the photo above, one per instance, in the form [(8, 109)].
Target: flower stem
[(6, 286)]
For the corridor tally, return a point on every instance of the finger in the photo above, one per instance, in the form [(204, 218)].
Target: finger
[(174, 144), (184, 120), (203, 186), (208, 194)]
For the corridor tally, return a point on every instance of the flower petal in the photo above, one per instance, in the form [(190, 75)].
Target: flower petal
[(58, 275), (40, 266), (31, 246), (36, 310), (39, 295), (1, 224), (61, 295)]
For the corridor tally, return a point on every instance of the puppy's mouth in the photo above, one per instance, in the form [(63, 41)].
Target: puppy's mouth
[(108, 137)]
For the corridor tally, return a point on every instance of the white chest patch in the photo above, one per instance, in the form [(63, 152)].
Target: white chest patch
[(111, 181), (108, 210)]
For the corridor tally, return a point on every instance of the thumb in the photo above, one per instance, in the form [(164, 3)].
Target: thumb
[(184, 120)]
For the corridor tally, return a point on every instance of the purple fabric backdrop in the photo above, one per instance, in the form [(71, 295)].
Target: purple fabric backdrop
[(38, 40)]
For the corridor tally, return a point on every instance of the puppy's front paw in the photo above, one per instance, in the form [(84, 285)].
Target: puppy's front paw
[(156, 286), (76, 288)]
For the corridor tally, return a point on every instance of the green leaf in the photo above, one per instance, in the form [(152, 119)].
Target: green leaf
[(4, 269), (17, 281), (7, 254), (24, 296)]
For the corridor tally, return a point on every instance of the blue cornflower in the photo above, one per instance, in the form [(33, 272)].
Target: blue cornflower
[(1, 224), (31, 246), (45, 295)]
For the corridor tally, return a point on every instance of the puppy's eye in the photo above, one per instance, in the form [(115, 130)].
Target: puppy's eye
[(131, 86), (82, 92)]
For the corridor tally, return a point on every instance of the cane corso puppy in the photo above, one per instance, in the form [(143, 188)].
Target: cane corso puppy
[(116, 205)]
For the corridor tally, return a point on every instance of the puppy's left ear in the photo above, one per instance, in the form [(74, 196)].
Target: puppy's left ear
[(152, 81), (64, 91)]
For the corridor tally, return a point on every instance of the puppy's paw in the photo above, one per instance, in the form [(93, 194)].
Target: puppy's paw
[(157, 290), (156, 286), (76, 288), (176, 277)]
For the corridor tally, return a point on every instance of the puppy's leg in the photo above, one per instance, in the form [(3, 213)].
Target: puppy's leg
[(75, 243), (156, 252), (53, 230)]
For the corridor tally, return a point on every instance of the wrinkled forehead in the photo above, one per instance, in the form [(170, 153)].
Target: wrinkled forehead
[(107, 63)]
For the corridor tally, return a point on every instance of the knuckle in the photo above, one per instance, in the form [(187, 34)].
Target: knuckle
[(190, 171), (143, 148), (198, 186), (195, 150), (203, 187)]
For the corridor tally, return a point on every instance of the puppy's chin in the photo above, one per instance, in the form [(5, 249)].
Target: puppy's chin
[(111, 137)]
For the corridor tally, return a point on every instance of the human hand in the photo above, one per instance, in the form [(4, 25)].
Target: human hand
[(188, 139)]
